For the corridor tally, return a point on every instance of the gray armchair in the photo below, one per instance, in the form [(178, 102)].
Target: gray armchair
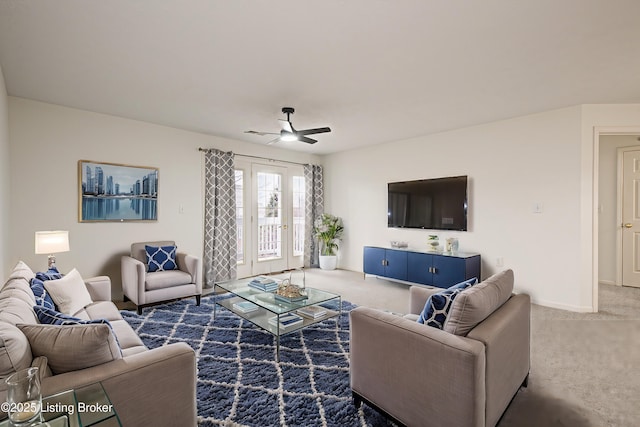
[(145, 288), (424, 376)]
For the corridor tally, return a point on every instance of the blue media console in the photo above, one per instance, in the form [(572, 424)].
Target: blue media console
[(425, 268)]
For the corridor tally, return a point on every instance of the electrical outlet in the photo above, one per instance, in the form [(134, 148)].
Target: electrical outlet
[(499, 262)]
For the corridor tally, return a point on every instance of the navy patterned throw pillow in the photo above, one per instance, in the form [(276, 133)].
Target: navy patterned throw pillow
[(438, 305), (49, 316), (161, 258), (43, 298)]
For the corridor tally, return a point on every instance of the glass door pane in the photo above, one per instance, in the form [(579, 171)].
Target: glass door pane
[(269, 215), (240, 226), (298, 193)]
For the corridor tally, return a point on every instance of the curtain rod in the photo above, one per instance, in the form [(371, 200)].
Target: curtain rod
[(256, 157)]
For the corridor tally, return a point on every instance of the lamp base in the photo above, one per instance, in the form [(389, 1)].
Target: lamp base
[(52, 262)]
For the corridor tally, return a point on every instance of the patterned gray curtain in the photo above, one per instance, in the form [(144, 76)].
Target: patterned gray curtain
[(314, 207), (220, 245)]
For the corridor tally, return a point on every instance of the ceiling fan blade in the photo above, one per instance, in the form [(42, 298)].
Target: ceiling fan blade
[(307, 140), (313, 131), (286, 126), (273, 141), (255, 132)]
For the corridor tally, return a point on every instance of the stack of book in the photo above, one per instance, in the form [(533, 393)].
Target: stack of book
[(264, 283), (312, 311), (286, 320), (245, 306)]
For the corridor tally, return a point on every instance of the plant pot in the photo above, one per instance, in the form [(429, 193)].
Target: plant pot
[(328, 262)]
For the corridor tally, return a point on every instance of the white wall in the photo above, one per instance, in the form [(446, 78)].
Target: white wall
[(46, 143), (511, 165), (608, 226), (5, 175)]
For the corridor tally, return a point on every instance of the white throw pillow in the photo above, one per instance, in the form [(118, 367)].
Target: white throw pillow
[(69, 293)]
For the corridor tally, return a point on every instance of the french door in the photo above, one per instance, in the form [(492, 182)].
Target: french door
[(269, 218)]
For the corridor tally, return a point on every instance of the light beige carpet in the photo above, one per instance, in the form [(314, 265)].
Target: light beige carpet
[(585, 367)]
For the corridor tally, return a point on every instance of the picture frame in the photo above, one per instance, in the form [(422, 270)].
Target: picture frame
[(114, 192)]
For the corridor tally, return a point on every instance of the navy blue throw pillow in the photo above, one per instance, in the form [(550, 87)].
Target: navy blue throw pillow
[(43, 298), (161, 258), (438, 305), (49, 316)]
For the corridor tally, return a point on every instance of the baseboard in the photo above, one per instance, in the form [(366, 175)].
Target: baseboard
[(607, 282), (567, 307)]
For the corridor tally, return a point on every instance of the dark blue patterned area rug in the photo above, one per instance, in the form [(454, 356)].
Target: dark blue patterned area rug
[(239, 381)]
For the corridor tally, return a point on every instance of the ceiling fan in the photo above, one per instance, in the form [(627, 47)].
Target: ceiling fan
[(288, 132)]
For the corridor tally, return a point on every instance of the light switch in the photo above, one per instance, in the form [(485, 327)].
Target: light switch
[(537, 207)]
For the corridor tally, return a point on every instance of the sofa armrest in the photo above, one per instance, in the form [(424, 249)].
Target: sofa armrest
[(415, 372), (418, 296), (506, 336), (133, 278), (192, 265), (99, 288), (155, 387)]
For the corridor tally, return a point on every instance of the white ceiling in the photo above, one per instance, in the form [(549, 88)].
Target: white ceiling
[(372, 70)]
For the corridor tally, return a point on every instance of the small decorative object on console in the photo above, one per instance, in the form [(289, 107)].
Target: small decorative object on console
[(399, 244), (451, 245), (433, 242)]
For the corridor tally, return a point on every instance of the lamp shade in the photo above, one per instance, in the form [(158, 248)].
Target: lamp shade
[(51, 242)]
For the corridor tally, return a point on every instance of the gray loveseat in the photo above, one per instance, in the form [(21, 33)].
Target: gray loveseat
[(463, 375), (147, 387)]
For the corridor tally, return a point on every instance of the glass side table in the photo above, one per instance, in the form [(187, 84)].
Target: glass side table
[(82, 407)]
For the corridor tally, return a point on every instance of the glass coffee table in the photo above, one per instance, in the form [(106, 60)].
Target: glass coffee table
[(269, 310)]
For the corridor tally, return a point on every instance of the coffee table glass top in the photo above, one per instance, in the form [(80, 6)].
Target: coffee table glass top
[(268, 301)]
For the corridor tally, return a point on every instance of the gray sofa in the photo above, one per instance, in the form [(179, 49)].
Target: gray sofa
[(463, 375), (147, 387)]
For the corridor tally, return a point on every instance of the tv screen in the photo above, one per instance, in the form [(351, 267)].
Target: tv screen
[(434, 204)]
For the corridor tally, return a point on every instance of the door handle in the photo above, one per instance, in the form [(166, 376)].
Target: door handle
[(627, 225)]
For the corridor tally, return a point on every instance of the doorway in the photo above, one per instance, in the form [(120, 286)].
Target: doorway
[(628, 262), (269, 217), (607, 211)]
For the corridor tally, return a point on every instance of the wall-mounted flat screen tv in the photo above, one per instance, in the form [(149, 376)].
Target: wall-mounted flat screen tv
[(433, 204)]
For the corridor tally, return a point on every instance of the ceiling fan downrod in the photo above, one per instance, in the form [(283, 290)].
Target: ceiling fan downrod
[(288, 111)]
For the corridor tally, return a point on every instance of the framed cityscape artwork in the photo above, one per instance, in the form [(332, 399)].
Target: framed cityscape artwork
[(115, 192)]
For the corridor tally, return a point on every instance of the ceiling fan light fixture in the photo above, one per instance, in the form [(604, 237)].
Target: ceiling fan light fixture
[(289, 137)]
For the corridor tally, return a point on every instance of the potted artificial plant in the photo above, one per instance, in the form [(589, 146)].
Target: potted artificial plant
[(328, 229)]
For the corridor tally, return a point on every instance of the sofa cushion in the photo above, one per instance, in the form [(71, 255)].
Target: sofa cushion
[(22, 270), (69, 293), (48, 316), (161, 258), (15, 352), (18, 287), (438, 305), (475, 304), (72, 347), (16, 310), (166, 279)]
